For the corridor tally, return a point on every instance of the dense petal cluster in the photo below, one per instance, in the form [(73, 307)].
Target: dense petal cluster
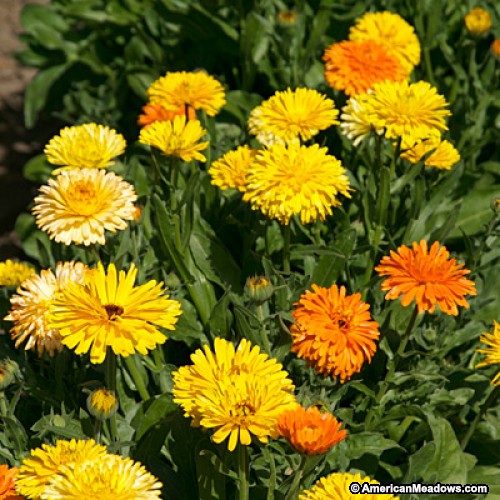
[(30, 307), (336, 486), (8, 483), (157, 113), (310, 431), (85, 146), (224, 390), (292, 114), (492, 352), (176, 137), (478, 21), (443, 154), (231, 169), (284, 181), (333, 331), (355, 67), (427, 275), (79, 205), (109, 311), (393, 32), (14, 273), (181, 88)]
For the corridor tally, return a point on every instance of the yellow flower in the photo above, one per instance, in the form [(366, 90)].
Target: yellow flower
[(295, 180), (108, 310), (443, 154), (85, 146), (230, 170), (287, 18), (357, 119), (176, 138), (37, 470), (30, 307), (291, 114), (412, 111), (180, 88), (80, 204), (336, 486), (111, 477), (492, 352), (102, 403), (225, 391), (478, 21), (393, 32), (14, 273)]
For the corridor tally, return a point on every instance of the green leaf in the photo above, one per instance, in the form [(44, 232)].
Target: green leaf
[(211, 482), (154, 412), (38, 169), (221, 318)]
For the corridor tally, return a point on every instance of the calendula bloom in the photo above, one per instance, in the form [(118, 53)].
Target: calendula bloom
[(79, 205), (336, 486), (180, 88), (393, 32), (14, 273), (230, 170), (102, 403), (109, 311), (357, 120), (39, 468), (111, 477), (492, 352), (30, 307), (443, 154), (310, 431), (284, 181), (333, 331), (427, 275), (478, 21), (85, 146), (8, 483), (238, 392), (176, 138), (355, 67), (411, 111), (291, 114), (495, 49), (157, 113)]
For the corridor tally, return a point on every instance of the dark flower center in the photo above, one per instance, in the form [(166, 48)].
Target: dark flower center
[(113, 311)]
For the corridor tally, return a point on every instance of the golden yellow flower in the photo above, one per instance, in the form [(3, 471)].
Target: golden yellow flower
[(357, 119), (443, 154), (108, 310), (295, 180), (180, 88), (393, 32), (176, 138), (30, 307), (411, 111), (291, 114), (14, 273), (111, 477), (224, 390), (336, 487), (493, 351), (85, 146), (37, 470), (230, 170), (478, 21), (102, 403), (287, 18), (80, 204)]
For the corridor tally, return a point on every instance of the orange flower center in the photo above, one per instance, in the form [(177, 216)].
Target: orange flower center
[(82, 198)]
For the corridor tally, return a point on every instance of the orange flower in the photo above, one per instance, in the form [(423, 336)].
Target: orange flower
[(155, 112), (495, 48), (427, 275), (309, 431), (333, 332), (355, 67), (8, 483)]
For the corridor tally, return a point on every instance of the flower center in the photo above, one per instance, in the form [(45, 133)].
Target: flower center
[(82, 198), (242, 409), (113, 311)]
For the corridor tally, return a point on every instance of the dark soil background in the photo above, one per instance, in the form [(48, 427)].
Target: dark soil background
[(17, 144)]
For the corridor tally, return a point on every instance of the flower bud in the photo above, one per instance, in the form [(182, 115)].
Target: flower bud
[(258, 288), (102, 403), (478, 21)]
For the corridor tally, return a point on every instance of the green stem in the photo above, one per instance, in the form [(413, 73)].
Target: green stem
[(428, 67), (138, 381), (243, 472), (174, 175), (97, 430), (294, 488), (160, 365), (397, 152), (286, 248), (263, 332), (3, 405), (272, 474), (494, 392), (111, 385)]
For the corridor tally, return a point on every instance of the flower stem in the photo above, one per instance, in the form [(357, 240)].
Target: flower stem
[(111, 385), (3, 404), (263, 332), (97, 430), (174, 175), (160, 365), (286, 248), (292, 492), (134, 373), (243, 472)]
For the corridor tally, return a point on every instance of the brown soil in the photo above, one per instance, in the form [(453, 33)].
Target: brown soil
[(17, 145)]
